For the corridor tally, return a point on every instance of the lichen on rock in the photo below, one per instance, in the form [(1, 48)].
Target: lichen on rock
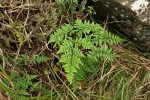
[(141, 7)]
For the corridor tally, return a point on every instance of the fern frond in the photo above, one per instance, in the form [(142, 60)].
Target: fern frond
[(72, 59), (39, 59), (66, 46), (61, 34), (20, 36), (83, 48), (62, 2), (81, 27), (84, 42)]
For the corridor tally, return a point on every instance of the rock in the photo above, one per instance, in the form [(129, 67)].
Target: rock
[(141, 7), (122, 18)]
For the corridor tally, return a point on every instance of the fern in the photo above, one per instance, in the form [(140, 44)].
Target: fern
[(66, 1), (61, 34), (65, 4), (17, 27), (71, 58), (20, 36), (34, 59), (83, 47), (22, 84), (39, 59)]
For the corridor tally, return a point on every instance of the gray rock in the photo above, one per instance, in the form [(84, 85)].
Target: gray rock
[(141, 7), (125, 20)]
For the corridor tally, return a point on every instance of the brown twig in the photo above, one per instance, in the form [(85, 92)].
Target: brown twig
[(61, 72)]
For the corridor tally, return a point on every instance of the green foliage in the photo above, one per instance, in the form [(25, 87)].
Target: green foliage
[(39, 59), (82, 53), (48, 21), (65, 3), (48, 94), (4, 85), (17, 27), (22, 84), (8, 90), (34, 59), (83, 48), (19, 36)]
